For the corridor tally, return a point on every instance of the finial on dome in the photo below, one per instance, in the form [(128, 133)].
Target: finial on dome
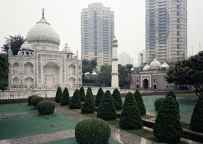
[(43, 13)]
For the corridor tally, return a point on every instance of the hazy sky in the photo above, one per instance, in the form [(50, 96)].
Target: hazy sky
[(18, 16)]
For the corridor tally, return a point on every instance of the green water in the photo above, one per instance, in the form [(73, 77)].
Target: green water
[(186, 104)]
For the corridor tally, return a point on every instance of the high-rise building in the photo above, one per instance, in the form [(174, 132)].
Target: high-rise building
[(166, 30), (97, 31), (125, 59)]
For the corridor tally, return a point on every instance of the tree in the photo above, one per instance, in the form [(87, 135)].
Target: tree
[(89, 105), (124, 75), (188, 72), (82, 94), (3, 71), (104, 76), (196, 123), (117, 99), (88, 65), (15, 42), (99, 96), (167, 126), (130, 117), (140, 103), (75, 103), (106, 110), (65, 97), (58, 95)]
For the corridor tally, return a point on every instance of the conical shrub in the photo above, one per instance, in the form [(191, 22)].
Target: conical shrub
[(196, 123), (99, 96), (140, 103), (65, 97), (58, 95), (117, 99), (106, 110), (130, 117), (89, 105), (75, 103), (82, 94), (167, 126)]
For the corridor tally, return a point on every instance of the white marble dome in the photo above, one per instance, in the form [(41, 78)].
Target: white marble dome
[(26, 46), (155, 64), (43, 32), (146, 67), (165, 65)]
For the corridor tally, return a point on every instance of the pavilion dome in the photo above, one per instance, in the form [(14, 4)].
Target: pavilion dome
[(43, 32), (165, 65), (26, 46), (146, 67), (155, 64)]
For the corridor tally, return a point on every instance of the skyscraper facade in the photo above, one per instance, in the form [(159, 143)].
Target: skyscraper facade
[(97, 31), (166, 30)]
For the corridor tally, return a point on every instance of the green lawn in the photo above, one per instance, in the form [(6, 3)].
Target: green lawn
[(73, 141), (14, 108), (31, 123)]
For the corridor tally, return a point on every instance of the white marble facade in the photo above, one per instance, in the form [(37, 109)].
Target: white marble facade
[(41, 65)]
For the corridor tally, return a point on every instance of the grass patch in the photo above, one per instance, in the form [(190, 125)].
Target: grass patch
[(31, 124), (73, 141), (14, 108)]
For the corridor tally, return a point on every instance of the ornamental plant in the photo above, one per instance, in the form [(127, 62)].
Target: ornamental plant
[(167, 126), (92, 131), (82, 94), (58, 95), (106, 109), (130, 117), (140, 103), (89, 105), (65, 97), (196, 123), (99, 96), (46, 107), (75, 103), (117, 99)]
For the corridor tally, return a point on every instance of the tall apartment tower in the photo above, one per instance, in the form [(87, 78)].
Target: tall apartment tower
[(97, 31), (166, 30)]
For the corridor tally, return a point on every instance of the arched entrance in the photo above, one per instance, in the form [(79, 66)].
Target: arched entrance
[(51, 75), (145, 83)]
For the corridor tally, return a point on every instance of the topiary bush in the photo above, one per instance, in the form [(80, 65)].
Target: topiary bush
[(196, 123), (130, 117), (65, 97), (35, 100), (58, 95), (171, 93), (89, 105), (75, 103), (140, 103), (157, 104), (92, 131), (117, 99), (99, 96), (82, 94), (46, 107), (106, 109), (29, 99), (167, 126)]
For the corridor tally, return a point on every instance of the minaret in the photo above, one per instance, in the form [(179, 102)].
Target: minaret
[(114, 74)]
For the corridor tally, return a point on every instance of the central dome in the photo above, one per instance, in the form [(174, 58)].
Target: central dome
[(43, 32)]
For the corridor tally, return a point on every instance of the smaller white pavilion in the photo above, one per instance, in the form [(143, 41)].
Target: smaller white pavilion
[(152, 76)]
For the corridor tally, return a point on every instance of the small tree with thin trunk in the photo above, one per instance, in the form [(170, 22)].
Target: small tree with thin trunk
[(167, 126), (140, 103), (196, 123), (106, 110), (99, 96), (58, 95), (117, 99), (65, 97), (89, 105), (82, 94), (75, 103), (130, 117)]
